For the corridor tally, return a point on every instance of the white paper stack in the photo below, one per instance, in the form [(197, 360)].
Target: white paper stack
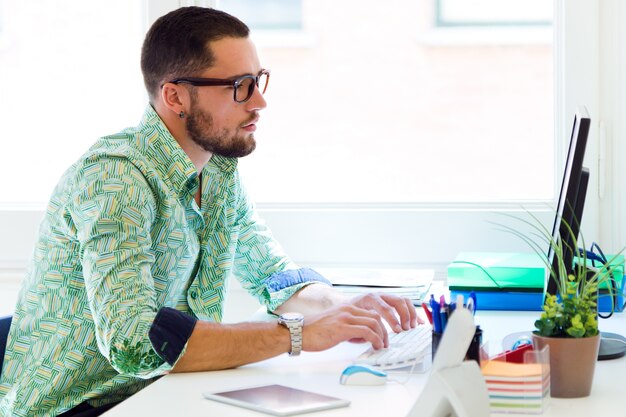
[(410, 283)]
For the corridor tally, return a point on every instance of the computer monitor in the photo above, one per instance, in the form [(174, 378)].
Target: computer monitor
[(568, 217), (571, 198), (577, 214)]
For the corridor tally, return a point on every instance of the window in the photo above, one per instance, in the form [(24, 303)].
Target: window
[(3, 19), (494, 13), (369, 115), (266, 14), (380, 168), (274, 23), (70, 74)]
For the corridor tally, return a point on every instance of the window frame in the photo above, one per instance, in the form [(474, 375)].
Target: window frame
[(3, 36), (440, 20), (282, 37), (268, 26)]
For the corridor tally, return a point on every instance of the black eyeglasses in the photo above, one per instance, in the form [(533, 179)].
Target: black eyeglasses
[(243, 86)]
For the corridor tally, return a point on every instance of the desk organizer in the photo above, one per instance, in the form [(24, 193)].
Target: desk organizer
[(455, 387), (518, 388), (474, 351)]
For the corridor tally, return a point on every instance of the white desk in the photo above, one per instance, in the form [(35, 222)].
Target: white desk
[(181, 394)]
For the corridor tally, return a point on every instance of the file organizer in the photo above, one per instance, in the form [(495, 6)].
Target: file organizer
[(515, 281), (454, 387), (519, 388)]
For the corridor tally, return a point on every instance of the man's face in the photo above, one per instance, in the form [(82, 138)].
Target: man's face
[(215, 121)]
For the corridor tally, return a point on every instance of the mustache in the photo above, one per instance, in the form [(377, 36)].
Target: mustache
[(252, 119)]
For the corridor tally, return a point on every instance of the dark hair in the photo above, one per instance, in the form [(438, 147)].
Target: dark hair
[(177, 44)]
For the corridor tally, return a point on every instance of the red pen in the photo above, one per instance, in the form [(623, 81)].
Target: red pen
[(429, 316)]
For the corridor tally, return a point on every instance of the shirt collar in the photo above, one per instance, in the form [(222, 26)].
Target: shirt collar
[(170, 160), (221, 164)]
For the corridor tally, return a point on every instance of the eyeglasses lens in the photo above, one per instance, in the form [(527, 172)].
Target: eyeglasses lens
[(263, 79), (245, 87)]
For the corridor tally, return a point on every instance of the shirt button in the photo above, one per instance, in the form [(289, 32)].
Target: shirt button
[(193, 295)]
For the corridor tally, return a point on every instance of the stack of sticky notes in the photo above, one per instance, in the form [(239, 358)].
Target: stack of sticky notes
[(517, 387)]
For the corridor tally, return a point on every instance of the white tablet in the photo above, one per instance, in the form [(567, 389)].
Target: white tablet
[(277, 400)]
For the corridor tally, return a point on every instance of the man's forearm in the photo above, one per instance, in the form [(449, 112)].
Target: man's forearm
[(312, 299), (331, 318), (221, 346)]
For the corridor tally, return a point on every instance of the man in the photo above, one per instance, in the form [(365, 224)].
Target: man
[(127, 279)]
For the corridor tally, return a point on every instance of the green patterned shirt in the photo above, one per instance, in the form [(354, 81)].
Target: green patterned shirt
[(122, 238)]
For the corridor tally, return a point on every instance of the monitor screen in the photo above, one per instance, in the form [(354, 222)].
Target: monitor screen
[(571, 198)]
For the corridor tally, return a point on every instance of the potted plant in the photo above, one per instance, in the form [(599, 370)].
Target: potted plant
[(569, 321)]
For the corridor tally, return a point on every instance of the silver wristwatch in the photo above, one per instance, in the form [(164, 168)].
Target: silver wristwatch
[(293, 322)]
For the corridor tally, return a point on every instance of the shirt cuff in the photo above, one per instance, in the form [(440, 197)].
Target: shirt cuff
[(285, 279), (169, 333)]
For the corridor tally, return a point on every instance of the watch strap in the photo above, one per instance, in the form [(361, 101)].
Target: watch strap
[(294, 324), (296, 338)]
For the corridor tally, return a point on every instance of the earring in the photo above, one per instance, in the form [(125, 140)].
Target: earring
[(181, 114)]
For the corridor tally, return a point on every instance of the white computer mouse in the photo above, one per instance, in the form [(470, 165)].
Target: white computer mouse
[(362, 375)]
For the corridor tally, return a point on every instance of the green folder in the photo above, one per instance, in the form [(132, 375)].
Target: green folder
[(497, 271)]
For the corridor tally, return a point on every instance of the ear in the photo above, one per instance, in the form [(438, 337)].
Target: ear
[(175, 98)]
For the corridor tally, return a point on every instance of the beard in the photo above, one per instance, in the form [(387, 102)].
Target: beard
[(200, 129)]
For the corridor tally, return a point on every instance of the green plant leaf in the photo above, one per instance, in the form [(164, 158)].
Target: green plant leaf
[(572, 312)]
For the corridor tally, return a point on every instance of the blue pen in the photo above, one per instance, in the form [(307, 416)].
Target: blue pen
[(434, 306), (431, 303), (443, 312), (471, 302)]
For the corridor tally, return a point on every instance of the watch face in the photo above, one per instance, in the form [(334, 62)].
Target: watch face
[(292, 317)]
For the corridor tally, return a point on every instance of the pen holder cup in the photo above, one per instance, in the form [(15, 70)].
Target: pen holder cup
[(473, 351)]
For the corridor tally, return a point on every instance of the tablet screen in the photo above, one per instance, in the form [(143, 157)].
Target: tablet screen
[(277, 400)]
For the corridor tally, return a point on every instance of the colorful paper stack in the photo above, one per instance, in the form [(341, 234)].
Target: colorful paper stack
[(517, 387)]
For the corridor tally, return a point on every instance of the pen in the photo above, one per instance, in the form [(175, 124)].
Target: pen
[(444, 318), (434, 305), (443, 312), (471, 302), (429, 316)]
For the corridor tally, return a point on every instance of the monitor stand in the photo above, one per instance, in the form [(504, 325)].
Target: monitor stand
[(612, 346)]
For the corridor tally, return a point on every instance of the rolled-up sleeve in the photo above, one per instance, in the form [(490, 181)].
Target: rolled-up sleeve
[(260, 263), (282, 285), (170, 332), (112, 212)]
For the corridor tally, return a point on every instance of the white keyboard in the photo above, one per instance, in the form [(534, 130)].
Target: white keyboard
[(405, 349)]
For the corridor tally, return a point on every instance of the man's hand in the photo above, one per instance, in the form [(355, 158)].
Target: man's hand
[(399, 312), (360, 320), (331, 317), (342, 323)]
